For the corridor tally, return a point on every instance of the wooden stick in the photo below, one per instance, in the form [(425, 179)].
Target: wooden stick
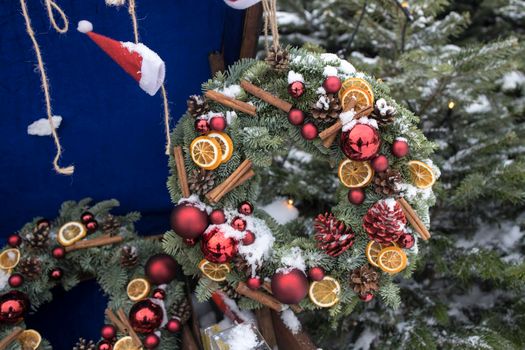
[(338, 125), (115, 320), (295, 308), (252, 28), (265, 325), (95, 242), (11, 337), (263, 298), (266, 96), (414, 219), (181, 171), (231, 102), (247, 176), (131, 332), (221, 190), (188, 341), (216, 61)]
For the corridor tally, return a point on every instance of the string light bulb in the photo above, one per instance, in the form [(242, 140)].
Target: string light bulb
[(290, 201), (451, 104), (404, 4)]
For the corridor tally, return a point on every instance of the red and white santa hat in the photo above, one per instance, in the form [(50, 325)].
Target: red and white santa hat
[(143, 64), (241, 4)]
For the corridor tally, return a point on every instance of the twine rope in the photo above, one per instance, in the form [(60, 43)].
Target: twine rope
[(50, 5), (270, 23)]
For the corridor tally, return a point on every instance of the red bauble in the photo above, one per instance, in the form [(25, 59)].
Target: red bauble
[(87, 217), (174, 325), (316, 273), (361, 143), (108, 332), (289, 287), (202, 126), (309, 131), (91, 226), (295, 116), (400, 148), (13, 307), (254, 282), (246, 208), (188, 221), (367, 297), (161, 269), (42, 223), (159, 294), (58, 252), (356, 196), (217, 217), (56, 273), (296, 89), (104, 345), (16, 280), (145, 316), (380, 163), (151, 341), (249, 238), (218, 123), (14, 240), (216, 247), (239, 224), (332, 84), (406, 241)]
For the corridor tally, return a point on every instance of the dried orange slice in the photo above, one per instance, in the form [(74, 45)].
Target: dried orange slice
[(373, 249), (9, 258), (138, 289), (226, 144), (126, 343), (354, 174), (30, 339), (359, 83), (362, 97), (422, 174), (325, 293), (215, 272), (206, 152), (71, 232), (392, 260)]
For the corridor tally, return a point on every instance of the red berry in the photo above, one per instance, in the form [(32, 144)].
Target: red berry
[(218, 123), (58, 252), (400, 148), (159, 294), (246, 208), (367, 297), (92, 226), (87, 217), (316, 273), (380, 163), (406, 241), (356, 196), (56, 273), (332, 84), (295, 116), (296, 89), (217, 217), (202, 126), (104, 345), (248, 238), (16, 280), (239, 224), (254, 282), (151, 341), (108, 332), (14, 240), (174, 325), (309, 131)]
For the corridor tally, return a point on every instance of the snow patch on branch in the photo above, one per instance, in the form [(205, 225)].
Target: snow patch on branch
[(292, 259)]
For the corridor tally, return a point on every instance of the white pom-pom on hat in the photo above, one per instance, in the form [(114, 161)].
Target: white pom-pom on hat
[(85, 26)]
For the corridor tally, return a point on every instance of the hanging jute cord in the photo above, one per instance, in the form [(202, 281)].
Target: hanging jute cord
[(133, 14), (43, 76), (270, 23)]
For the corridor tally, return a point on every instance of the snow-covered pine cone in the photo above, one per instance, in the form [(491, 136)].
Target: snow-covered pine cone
[(129, 256), (181, 309), (39, 237), (364, 280), (111, 225), (30, 268), (278, 59), (83, 344), (201, 181), (383, 112), (197, 105), (326, 107), (332, 235), (387, 182), (385, 221)]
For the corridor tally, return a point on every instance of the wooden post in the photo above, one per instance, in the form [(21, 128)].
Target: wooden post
[(287, 340), (251, 31), (264, 320), (216, 60)]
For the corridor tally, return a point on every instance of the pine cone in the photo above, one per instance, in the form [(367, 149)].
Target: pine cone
[(230, 292), (201, 181), (332, 235), (181, 309), (39, 237), (387, 182), (111, 225), (129, 256), (383, 113), (385, 221), (30, 268), (278, 59), (327, 107), (364, 280), (197, 105), (82, 344), (241, 265)]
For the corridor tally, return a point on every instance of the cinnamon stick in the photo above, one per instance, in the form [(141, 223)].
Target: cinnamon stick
[(414, 219), (116, 321), (11, 337), (247, 176), (231, 102), (338, 125), (261, 297), (95, 242), (295, 308), (266, 96), (329, 140), (131, 332), (181, 171), (221, 190)]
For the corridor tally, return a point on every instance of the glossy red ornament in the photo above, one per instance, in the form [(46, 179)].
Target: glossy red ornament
[(361, 143), (174, 325), (218, 123), (217, 217), (249, 238), (295, 116), (367, 297), (16, 280), (190, 242), (380, 163), (216, 247), (151, 341), (332, 84), (14, 240), (400, 148), (254, 282), (160, 269), (58, 252), (296, 89), (316, 273), (91, 226), (13, 307), (202, 126), (104, 345), (356, 196), (56, 273), (159, 294), (406, 241), (188, 221), (87, 217), (246, 208), (108, 332), (145, 316), (309, 131), (289, 287), (239, 223), (42, 223)]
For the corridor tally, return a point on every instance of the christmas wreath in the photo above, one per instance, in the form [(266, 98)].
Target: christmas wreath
[(320, 104), (146, 305)]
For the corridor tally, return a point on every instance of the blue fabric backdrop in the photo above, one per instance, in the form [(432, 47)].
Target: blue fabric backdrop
[(112, 131)]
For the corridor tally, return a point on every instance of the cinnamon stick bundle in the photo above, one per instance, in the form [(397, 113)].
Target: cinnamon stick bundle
[(266, 96), (124, 319), (414, 219), (263, 298), (231, 102), (242, 173), (95, 242), (181, 171), (11, 337), (116, 321), (329, 132)]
